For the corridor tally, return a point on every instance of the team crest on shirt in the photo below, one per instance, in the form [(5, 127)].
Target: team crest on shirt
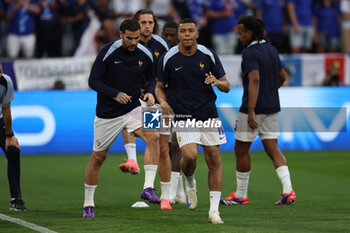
[(140, 63), (179, 138), (156, 53), (201, 65)]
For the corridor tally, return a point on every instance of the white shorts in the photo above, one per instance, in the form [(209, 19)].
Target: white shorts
[(163, 130), (107, 130), (201, 136), (268, 127)]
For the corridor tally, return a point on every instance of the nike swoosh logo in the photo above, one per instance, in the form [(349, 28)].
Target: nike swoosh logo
[(178, 68), (220, 138), (117, 62)]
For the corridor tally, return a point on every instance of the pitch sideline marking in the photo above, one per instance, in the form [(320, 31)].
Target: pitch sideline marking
[(26, 224)]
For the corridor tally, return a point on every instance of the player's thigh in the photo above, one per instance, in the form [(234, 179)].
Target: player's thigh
[(12, 45), (133, 120), (28, 44), (213, 136), (269, 127), (106, 131), (242, 130), (185, 137)]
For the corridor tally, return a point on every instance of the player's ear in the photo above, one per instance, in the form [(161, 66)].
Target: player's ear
[(120, 34)]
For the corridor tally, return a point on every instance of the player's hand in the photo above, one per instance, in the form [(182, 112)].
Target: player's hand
[(167, 111), (210, 79), (12, 141), (251, 120), (123, 98), (149, 98), (142, 93)]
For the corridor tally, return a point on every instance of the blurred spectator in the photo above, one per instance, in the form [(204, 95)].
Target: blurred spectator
[(301, 31), (21, 17), (326, 25), (332, 78), (76, 15), (223, 15), (58, 85), (169, 33), (125, 9), (49, 32), (345, 25), (271, 12), (106, 17), (197, 9), (161, 9), (2, 26), (180, 10)]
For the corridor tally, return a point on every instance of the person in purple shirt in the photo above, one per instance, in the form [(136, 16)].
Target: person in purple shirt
[(21, 36), (326, 15), (301, 30)]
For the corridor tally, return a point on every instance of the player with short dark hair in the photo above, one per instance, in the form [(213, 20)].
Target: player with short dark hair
[(169, 33), (117, 76), (190, 71), (263, 74), (9, 143)]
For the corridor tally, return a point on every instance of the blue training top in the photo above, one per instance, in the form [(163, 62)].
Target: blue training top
[(158, 47), (187, 93), (263, 57), (118, 70)]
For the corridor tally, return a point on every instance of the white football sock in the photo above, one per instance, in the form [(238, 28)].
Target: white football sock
[(89, 195), (130, 149), (165, 186), (180, 187), (150, 175), (214, 201), (284, 176), (190, 181), (242, 179), (174, 180)]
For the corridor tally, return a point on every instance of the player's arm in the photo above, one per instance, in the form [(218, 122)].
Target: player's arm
[(282, 77), (253, 93), (161, 97), (96, 80), (222, 83), (11, 140), (149, 97)]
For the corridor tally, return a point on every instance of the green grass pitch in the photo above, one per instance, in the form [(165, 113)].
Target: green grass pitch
[(53, 190)]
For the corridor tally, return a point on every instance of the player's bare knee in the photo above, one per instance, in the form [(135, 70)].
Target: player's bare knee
[(98, 159), (164, 150), (152, 138)]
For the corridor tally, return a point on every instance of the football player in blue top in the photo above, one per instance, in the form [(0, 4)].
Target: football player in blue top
[(158, 46), (263, 74), (117, 76), (190, 71)]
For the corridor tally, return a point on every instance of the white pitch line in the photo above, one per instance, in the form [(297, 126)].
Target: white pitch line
[(26, 224)]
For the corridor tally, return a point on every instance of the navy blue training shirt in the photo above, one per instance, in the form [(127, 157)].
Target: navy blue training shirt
[(187, 93), (118, 70), (158, 47), (263, 57)]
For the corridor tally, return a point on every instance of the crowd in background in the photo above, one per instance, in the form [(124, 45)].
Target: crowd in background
[(56, 28)]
